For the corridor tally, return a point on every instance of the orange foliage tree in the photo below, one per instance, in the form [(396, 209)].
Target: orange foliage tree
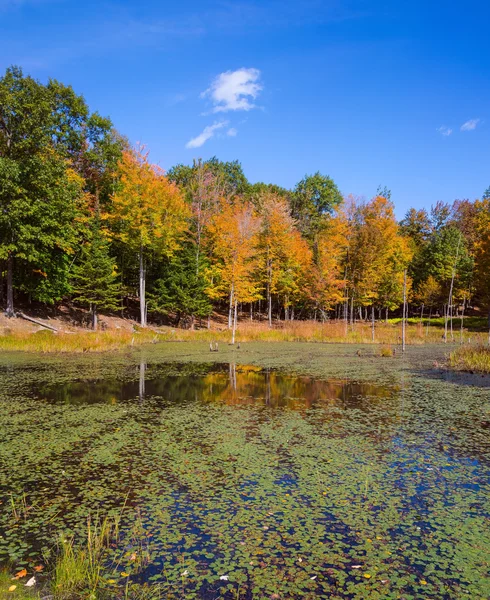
[(148, 213), (284, 257), (233, 239), (329, 274), (378, 256)]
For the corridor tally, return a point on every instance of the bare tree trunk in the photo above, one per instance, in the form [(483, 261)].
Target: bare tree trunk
[(269, 308), (142, 381), (230, 308), (386, 316), (1, 282), (10, 286), (422, 313), (346, 315), (94, 316), (446, 308), (450, 299), (234, 324), (142, 289), (462, 320), (404, 309), (372, 321)]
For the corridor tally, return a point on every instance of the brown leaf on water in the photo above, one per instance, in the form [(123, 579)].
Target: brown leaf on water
[(39, 568)]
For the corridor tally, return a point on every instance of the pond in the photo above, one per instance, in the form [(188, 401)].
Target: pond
[(251, 477)]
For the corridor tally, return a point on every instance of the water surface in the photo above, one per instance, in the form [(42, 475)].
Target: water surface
[(287, 484)]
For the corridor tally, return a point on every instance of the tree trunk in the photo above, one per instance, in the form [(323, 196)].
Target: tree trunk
[(94, 316), (404, 309), (450, 299), (142, 381), (372, 321), (1, 283), (462, 321), (142, 289), (269, 308), (10, 286), (230, 307), (446, 309), (234, 324), (428, 322)]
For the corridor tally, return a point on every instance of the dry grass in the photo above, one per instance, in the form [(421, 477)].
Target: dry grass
[(79, 342), (472, 359), (83, 341), (386, 351), (310, 331)]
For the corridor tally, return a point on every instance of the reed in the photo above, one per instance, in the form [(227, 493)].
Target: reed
[(471, 358), (78, 569)]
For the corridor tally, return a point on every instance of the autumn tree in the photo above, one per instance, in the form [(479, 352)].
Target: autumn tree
[(377, 257), (330, 271), (233, 238), (148, 213), (283, 255)]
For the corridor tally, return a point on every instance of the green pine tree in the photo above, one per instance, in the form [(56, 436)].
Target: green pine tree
[(182, 288), (96, 280)]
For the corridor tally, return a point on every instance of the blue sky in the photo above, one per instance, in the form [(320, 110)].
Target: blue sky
[(369, 92)]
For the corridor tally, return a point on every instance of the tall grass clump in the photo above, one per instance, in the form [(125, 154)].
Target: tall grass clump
[(78, 569), (469, 358)]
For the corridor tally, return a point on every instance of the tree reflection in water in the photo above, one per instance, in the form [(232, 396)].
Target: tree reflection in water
[(229, 384)]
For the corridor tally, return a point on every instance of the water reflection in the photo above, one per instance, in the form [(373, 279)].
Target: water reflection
[(229, 384)]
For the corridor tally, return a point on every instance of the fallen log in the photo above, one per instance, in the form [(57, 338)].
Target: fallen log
[(23, 316)]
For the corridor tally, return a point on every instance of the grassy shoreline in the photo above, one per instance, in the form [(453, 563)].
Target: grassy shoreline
[(385, 333)]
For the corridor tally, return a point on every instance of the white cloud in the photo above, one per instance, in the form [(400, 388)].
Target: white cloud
[(443, 130), (207, 133), (234, 90), (470, 125), (232, 132)]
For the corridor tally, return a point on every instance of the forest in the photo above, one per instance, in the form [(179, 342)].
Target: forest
[(85, 217)]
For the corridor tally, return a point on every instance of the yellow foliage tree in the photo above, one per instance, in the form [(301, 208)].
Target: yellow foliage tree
[(233, 238), (148, 212), (284, 255)]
